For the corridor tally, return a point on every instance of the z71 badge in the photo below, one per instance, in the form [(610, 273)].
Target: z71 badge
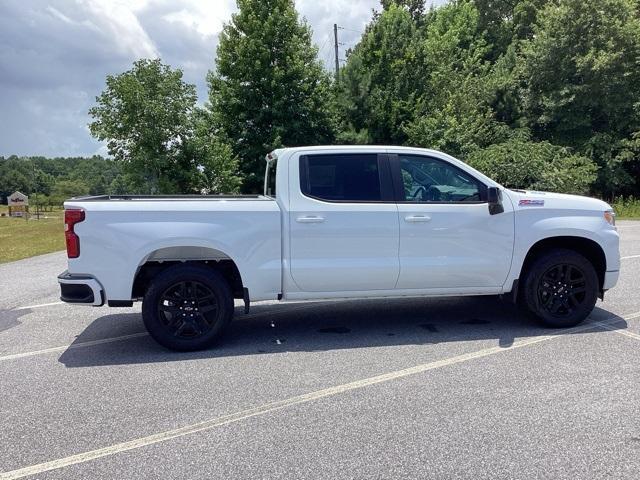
[(531, 203)]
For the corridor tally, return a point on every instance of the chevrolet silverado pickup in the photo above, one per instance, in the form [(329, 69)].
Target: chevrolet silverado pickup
[(339, 222)]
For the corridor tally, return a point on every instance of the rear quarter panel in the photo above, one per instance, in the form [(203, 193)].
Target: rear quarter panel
[(117, 237)]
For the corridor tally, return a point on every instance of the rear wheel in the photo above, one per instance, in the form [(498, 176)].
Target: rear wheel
[(561, 288), (187, 307)]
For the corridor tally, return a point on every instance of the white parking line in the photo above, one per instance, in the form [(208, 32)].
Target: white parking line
[(73, 345), (279, 405), (31, 307), (630, 257), (631, 316), (626, 333), (62, 348)]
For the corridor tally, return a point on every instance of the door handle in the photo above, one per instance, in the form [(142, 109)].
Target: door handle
[(310, 219), (417, 219)]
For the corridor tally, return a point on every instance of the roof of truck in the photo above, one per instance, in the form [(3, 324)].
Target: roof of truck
[(280, 151)]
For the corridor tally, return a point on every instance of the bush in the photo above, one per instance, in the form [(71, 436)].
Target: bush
[(521, 163), (627, 207)]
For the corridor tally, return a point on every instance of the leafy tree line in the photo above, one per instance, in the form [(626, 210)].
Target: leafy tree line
[(538, 94), (50, 181)]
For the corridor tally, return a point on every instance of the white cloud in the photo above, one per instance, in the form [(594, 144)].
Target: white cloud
[(205, 17), (118, 21), (54, 59)]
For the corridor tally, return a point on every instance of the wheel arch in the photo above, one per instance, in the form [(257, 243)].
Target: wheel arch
[(165, 257), (590, 249)]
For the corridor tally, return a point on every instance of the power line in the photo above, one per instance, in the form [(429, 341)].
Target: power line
[(350, 29), (323, 45)]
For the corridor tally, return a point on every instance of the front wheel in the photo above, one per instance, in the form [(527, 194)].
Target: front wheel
[(187, 307), (561, 288)]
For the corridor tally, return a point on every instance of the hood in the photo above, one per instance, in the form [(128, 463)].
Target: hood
[(530, 199)]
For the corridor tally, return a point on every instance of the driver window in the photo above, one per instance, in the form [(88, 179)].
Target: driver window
[(430, 180)]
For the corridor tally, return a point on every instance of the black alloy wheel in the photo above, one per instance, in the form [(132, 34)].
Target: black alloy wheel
[(560, 288), (187, 307)]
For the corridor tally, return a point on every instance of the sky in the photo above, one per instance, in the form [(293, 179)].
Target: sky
[(56, 54)]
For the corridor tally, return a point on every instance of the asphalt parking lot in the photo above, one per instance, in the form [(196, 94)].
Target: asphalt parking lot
[(417, 388)]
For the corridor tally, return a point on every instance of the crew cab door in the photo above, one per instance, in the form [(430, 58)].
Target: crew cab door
[(448, 237), (343, 222)]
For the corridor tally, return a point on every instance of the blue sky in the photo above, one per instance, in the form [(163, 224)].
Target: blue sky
[(55, 55)]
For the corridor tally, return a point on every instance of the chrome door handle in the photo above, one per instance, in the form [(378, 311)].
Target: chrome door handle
[(310, 219), (417, 219)]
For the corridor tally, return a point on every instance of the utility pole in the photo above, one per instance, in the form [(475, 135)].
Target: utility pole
[(35, 191), (335, 43)]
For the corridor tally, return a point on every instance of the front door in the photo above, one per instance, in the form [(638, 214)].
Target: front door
[(343, 223), (448, 238)]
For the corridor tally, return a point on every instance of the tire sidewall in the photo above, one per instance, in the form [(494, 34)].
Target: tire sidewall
[(213, 280)]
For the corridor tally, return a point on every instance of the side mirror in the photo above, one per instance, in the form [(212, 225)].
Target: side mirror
[(494, 197)]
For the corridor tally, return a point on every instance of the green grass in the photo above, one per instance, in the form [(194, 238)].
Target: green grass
[(20, 238), (627, 208)]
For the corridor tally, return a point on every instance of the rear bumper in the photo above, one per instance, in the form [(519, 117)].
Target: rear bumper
[(610, 279), (80, 289)]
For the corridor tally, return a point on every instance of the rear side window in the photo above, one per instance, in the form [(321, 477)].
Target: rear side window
[(341, 178)]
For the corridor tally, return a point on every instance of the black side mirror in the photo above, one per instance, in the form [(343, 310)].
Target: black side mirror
[(494, 197)]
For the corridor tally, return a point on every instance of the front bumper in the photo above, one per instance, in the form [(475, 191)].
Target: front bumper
[(80, 289)]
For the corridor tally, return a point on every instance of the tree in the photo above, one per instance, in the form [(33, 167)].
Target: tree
[(454, 113), (269, 89), (15, 174), (217, 169), (414, 7), (382, 79), (506, 21), (144, 114), (521, 163), (580, 75), (65, 189)]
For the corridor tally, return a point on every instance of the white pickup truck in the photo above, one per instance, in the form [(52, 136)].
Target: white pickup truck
[(339, 222)]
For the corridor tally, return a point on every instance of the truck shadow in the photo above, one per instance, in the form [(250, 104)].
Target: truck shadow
[(323, 326), (10, 318)]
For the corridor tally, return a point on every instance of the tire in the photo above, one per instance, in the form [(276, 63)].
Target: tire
[(561, 288), (187, 307)]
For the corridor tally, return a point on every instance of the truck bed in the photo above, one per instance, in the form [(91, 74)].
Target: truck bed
[(120, 233)]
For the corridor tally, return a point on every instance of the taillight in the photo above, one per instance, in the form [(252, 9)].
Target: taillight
[(71, 217)]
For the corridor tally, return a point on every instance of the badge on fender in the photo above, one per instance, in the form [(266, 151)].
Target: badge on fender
[(531, 203)]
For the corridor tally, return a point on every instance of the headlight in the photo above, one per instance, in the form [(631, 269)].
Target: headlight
[(610, 217)]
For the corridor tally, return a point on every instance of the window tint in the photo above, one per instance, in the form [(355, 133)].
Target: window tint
[(430, 180), (270, 189), (341, 177)]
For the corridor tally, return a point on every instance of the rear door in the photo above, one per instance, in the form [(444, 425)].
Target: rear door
[(448, 238), (343, 222)]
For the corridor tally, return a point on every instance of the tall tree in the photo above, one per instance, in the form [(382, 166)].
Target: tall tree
[(268, 89), (414, 7), (506, 21), (581, 77), (144, 115), (382, 78), (454, 113), (217, 165)]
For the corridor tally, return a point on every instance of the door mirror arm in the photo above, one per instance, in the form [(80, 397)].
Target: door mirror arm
[(494, 197)]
